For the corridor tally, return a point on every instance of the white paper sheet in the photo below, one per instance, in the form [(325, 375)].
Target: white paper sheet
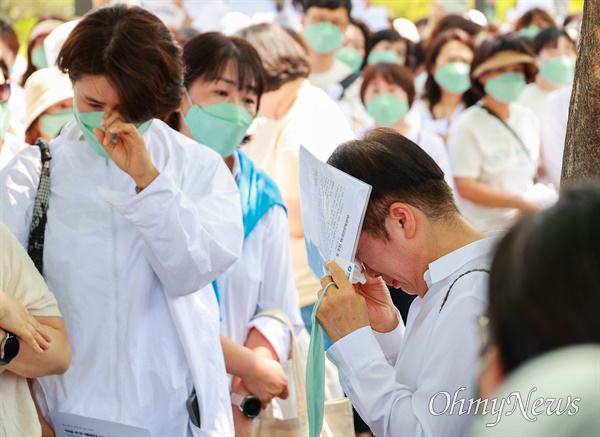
[(71, 425), (333, 206)]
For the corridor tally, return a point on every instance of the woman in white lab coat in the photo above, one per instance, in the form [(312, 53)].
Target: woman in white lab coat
[(223, 83), (141, 220)]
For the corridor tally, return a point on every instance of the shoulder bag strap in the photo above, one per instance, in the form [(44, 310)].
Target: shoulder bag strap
[(511, 130), (460, 276), (347, 81), (38, 221)]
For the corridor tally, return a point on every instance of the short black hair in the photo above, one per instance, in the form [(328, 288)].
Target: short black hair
[(388, 35), (548, 38), (398, 170), (136, 53), (544, 281), (328, 4)]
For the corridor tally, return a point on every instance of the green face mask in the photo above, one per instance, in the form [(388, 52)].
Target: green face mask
[(506, 87), (38, 58), (385, 56), (53, 123), (531, 31), (88, 121), (221, 126), (4, 119), (387, 109), (323, 38), (350, 57), (454, 77), (559, 71)]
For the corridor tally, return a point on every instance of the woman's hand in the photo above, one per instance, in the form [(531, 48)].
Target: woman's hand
[(129, 151), (266, 380), (15, 318)]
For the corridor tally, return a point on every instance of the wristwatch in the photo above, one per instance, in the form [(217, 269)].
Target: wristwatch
[(250, 406), (9, 348)]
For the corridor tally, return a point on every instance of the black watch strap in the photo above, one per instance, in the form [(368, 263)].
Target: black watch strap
[(9, 348)]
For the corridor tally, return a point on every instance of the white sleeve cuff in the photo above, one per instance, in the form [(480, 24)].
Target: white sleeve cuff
[(276, 333), (389, 342), (354, 351)]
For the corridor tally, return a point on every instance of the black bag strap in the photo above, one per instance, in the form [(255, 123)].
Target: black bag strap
[(348, 80), (512, 131), (452, 285), (38, 220)]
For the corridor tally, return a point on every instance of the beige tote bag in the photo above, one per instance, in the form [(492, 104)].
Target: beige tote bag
[(338, 420)]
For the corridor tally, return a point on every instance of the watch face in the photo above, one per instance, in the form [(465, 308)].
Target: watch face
[(252, 407), (11, 349)]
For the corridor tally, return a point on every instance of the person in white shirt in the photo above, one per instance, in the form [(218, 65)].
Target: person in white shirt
[(324, 23), (224, 82), (554, 120), (388, 92), (33, 341), (294, 113), (447, 91), (10, 144), (540, 336), (412, 238), (140, 221), (494, 145), (555, 55)]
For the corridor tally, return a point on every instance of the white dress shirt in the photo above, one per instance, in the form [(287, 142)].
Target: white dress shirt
[(554, 132), (391, 378), (132, 275)]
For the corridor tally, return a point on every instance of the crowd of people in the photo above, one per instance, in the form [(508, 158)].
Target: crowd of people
[(150, 210)]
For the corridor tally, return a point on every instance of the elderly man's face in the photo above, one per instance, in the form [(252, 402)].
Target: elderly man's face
[(388, 260)]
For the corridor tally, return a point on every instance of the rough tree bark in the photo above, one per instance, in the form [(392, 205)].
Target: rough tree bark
[(581, 160)]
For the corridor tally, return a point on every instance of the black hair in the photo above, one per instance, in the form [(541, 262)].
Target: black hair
[(388, 35), (548, 38), (207, 56), (328, 4), (398, 170), (545, 279)]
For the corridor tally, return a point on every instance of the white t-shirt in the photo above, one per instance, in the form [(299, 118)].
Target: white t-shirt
[(553, 124), (20, 279), (439, 126), (533, 97), (315, 122), (481, 147)]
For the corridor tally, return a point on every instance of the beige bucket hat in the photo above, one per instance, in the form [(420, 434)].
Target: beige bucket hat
[(44, 88)]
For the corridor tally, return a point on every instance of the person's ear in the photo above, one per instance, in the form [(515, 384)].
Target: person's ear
[(492, 373), (402, 218)]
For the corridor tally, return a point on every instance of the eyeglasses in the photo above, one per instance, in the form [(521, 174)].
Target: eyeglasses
[(5, 91)]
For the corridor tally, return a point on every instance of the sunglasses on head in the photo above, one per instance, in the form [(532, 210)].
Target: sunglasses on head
[(4, 91)]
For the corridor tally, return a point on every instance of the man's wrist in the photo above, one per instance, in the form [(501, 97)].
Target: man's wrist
[(388, 325)]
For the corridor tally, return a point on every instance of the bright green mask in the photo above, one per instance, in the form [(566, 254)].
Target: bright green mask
[(323, 38), (38, 58), (53, 123), (454, 77), (559, 71), (387, 109), (531, 31), (506, 87), (4, 119), (315, 374), (391, 56), (350, 57), (221, 126), (88, 121)]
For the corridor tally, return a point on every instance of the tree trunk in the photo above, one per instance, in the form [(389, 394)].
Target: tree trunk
[(581, 160)]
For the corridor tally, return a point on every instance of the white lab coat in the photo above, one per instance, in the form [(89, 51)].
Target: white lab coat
[(132, 275)]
